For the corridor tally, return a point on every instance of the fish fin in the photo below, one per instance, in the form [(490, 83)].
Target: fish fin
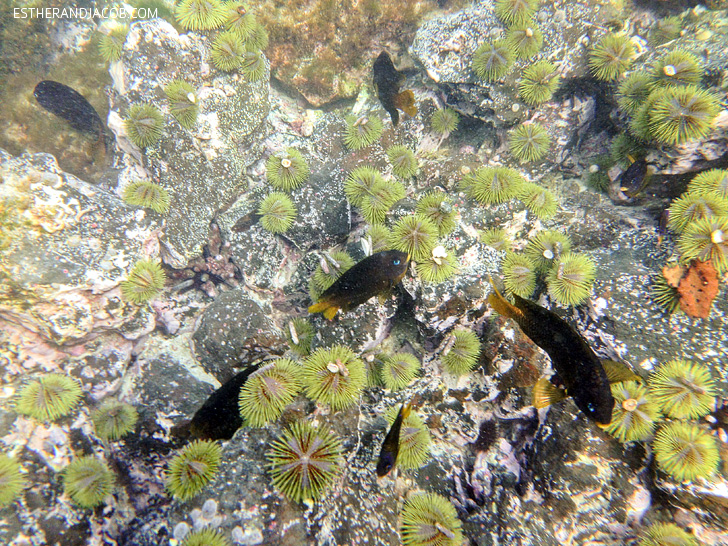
[(405, 101), (327, 308), (631, 159), (405, 410), (502, 305), (546, 393), (618, 372), (330, 313)]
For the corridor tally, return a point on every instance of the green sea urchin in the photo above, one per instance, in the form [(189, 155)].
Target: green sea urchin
[(50, 397), (258, 39), (333, 376), (633, 92), (299, 334), (611, 56), (712, 181), (529, 142), (227, 51), (252, 64), (683, 389), (200, 14), (667, 534), (398, 370), (268, 391), (547, 247), (113, 419), (690, 207), (277, 212), (145, 280), (361, 182), (496, 238), (414, 439), (570, 279), (678, 67), (437, 207), (287, 171), (331, 266), (111, 45), (182, 102), (519, 274), (379, 237), (664, 295), (144, 125), (525, 40), (206, 537), (539, 82), (143, 193), (240, 20), (444, 121), (304, 462), (460, 352), (438, 267), (88, 481), (665, 30), (634, 413), (428, 519), (375, 205), (685, 451), (493, 185), (515, 12), (362, 131), (416, 235), (538, 200), (193, 468), (681, 114), (492, 61), (11, 479), (403, 161), (706, 239)]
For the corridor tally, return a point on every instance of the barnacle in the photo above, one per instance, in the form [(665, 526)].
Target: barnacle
[(304, 461), (685, 451), (538, 200), (634, 413), (200, 14), (525, 40), (252, 64), (88, 481), (492, 185), (547, 247), (398, 370), (683, 389), (143, 282), (227, 51), (519, 274), (331, 267), (362, 131), (570, 278), (403, 161), (182, 102), (277, 212), (287, 171), (144, 124), (611, 57), (529, 142), (50, 397), (711, 181), (667, 534), (438, 267), (539, 82), (11, 479), (428, 519), (492, 61), (706, 239), (460, 352), (414, 234), (111, 45), (205, 537), (690, 207), (681, 114), (444, 121), (496, 238), (113, 419), (437, 207), (515, 12), (193, 468), (300, 334), (268, 391), (633, 92), (143, 193), (678, 67), (414, 439), (333, 376)]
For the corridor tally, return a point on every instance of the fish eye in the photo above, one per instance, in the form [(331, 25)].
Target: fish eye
[(396, 262)]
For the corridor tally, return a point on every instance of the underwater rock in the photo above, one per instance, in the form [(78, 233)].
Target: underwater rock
[(202, 168), (233, 332)]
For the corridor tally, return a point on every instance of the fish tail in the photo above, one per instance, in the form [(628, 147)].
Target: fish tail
[(405, 101), (545, 393), (502, 305), (326, 307)]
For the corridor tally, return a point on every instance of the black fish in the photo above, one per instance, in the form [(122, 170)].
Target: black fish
[(390, 446), (372, 276), (69, 104), (387, 81), (219, 417), (635, 178), (577, 366)]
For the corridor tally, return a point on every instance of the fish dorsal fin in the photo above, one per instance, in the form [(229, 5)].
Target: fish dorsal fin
[(546, 393), (617, 372)]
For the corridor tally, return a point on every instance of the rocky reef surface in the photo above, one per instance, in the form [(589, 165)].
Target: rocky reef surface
[(516, 475)]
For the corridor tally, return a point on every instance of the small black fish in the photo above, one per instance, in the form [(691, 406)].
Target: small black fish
[(578, 368), (635, 178), (373, 275), (390, 446), (387, 81), (219, 417), (69, 104)]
